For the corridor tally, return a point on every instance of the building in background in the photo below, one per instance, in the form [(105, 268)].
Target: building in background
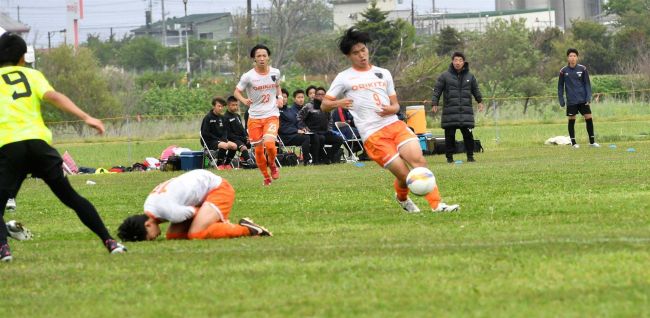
[(348, 12), (565, 10), (478, 21), (207, 26), (9, 24)]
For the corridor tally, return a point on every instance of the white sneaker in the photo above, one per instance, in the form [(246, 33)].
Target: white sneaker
[(444, 207), (408, 205), (18, 232), (595, 145), (11, 205), (576, 146)]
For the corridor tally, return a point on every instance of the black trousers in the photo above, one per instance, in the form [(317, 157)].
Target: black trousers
[(336, 141), (309, 145), (42, 161), (450, 141)]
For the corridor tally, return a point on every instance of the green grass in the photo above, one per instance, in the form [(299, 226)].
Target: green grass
[(544, 231)]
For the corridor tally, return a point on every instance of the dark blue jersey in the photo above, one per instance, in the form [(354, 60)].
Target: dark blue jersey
[(575, 81)]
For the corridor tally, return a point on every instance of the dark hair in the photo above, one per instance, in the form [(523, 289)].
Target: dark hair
[(284, 91), (298, 91), (232, 99), (309, 88), (12, 48), (350, 38), (572, 50), (260, 46), (321, 89), (133, 229), (458, 54), (218, 99)]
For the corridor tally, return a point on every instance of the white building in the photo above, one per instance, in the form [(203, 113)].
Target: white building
[(565, 10), (348, 12), (478, 21)]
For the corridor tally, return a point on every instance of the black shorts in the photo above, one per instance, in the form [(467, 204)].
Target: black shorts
[(34, 156), (583, 109)]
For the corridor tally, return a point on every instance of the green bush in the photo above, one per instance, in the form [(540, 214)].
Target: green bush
[(609, 85)]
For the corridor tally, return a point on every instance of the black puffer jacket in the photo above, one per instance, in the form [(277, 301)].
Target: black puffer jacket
[(457, 111)]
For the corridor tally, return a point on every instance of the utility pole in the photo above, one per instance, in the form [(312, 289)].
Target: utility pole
[(412, 14), (187, 46), (249, 20), (164, 24), (18, 13), (49, 37), (564, 14)]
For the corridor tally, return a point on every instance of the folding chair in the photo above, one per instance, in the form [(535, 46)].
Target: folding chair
[(288, 149), (207, 150), (349, 142)]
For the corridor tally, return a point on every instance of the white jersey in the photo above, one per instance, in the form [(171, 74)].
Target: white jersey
[(368, 91), (263, 90), (178, 199)]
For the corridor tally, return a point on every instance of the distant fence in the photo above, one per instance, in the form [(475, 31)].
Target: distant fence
[(543, 108)]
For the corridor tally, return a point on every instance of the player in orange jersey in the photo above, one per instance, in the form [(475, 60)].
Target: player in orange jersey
[(368, 92), (264, 98), (197, 204)]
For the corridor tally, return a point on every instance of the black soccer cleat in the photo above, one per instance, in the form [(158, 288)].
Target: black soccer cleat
[(256, 230), (114, 247)]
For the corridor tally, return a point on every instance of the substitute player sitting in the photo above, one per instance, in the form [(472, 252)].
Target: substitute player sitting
[(264, 97), (197, 204), (369, 93)]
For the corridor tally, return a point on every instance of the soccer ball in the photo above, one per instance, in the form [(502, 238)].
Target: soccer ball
[(421, 181)]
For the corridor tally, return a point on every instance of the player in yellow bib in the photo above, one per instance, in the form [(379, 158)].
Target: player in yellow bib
[(369, 93), (25, 140)]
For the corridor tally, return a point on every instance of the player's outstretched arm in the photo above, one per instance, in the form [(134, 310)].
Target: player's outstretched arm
[(64, 103)]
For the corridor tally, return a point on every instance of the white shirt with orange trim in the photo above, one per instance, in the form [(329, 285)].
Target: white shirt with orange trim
[(368, 91), (263, 90), (178, 199)]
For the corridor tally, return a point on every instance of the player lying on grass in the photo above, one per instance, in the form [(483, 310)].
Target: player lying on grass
[(197, 204), (369, 93)]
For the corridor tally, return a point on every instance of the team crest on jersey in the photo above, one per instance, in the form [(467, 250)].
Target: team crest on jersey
[(273, 77), (380, 75)]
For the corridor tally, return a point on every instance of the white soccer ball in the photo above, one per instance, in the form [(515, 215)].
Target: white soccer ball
[(421, 181)]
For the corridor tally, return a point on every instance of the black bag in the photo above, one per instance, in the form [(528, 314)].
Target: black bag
[(439, 147), (173, 163), (288, 159)]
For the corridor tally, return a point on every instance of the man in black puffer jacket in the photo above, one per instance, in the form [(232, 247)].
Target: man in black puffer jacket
[(458, 85)]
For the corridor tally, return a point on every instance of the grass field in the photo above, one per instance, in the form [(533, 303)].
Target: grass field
[(543, 231)]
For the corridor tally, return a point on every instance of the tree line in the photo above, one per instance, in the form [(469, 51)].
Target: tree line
[(138, 75)]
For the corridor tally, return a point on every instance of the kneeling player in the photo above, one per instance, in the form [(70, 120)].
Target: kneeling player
[(197, 204)]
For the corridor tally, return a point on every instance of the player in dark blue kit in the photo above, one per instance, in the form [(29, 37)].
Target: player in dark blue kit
[(574, 79)]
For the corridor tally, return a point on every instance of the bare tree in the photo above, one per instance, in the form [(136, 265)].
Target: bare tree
[(292, 20)]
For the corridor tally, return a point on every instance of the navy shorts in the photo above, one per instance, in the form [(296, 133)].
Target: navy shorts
[(583, 109)]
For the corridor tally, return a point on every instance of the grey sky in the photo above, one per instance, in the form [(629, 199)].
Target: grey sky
[(123, 15)]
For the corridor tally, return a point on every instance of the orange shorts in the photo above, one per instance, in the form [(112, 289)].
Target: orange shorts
[(383, 146), (222, 198), (258, 128)]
